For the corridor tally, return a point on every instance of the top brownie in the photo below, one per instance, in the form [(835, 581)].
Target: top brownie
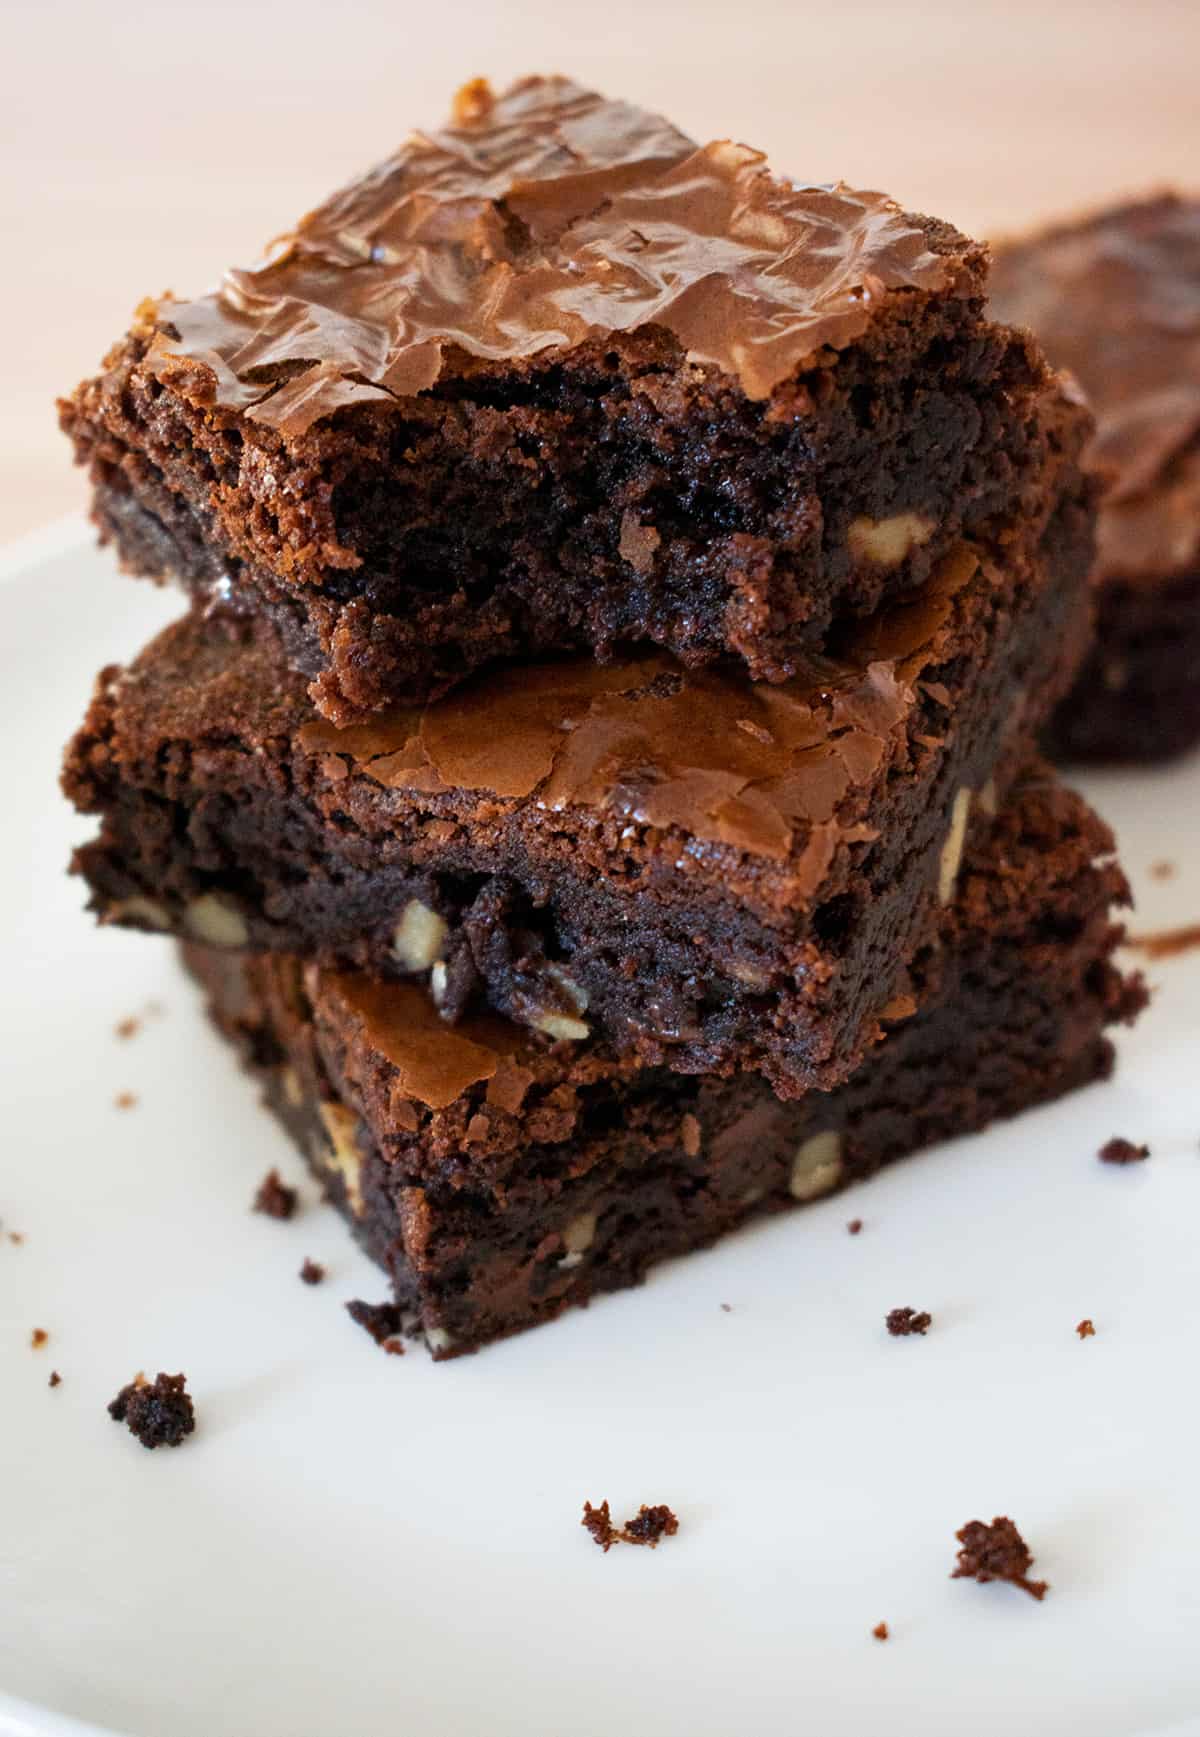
[(556, 378), (1115, 298)]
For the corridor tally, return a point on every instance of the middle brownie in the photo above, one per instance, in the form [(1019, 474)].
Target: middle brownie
[(711, 874)]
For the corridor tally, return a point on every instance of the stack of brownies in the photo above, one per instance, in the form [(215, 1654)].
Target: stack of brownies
[(594, 782)]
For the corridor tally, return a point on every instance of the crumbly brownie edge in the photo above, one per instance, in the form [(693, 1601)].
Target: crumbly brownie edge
[(618, 540)]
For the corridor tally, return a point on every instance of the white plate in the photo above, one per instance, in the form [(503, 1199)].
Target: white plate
[(352, 1544)]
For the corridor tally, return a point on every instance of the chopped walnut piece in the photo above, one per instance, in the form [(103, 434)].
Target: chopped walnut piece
[(1085, 1329), (880, 1631), (473, 101), (38, 1338)]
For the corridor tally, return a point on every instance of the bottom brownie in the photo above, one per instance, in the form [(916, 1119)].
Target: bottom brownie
[(1137, 697), (500, 1178)]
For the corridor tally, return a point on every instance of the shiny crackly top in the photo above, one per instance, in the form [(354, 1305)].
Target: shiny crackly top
[(535, 221), (703, 752), (1116, 299), (435, 1063)]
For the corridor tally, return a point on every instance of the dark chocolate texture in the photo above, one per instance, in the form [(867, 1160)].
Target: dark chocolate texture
[(499, 1178), (715, 874), (160, 1413), (556, 378)]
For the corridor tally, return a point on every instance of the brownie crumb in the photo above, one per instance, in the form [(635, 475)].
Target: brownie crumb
[(880, 1631), (159, 1412), (125, 1100), (1120, 1151), (854, 1226), (996, 1552), (902, 1322), (274, 1197), (312, 1272), (38, 1338), (55, 1379), (16, 1236), (598, 1522), (649, 1525), (128, 1027), (1162, 871), (1085, 1329), (1167, 943), (382, 1321), (727, 1308)]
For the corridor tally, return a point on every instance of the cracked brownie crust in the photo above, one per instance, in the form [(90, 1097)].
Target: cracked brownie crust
[(556, 378), (500, 1178)]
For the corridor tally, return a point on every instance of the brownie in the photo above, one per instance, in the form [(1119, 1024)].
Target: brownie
[(500, 1178), (1115, 298), (708, 872), (556, 378)]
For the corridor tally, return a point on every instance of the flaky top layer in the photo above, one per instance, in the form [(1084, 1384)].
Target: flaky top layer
[(702, 752), (1116, 299), (537, 221), (710, 764)]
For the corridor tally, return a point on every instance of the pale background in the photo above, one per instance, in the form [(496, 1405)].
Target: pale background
[(143, 146)]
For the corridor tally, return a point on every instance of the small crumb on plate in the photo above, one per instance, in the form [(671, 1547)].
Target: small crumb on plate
[(159, 1412), (903, 1322), (274, 1198), (1121, 1151), (648, 1527), (996, 1552)]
